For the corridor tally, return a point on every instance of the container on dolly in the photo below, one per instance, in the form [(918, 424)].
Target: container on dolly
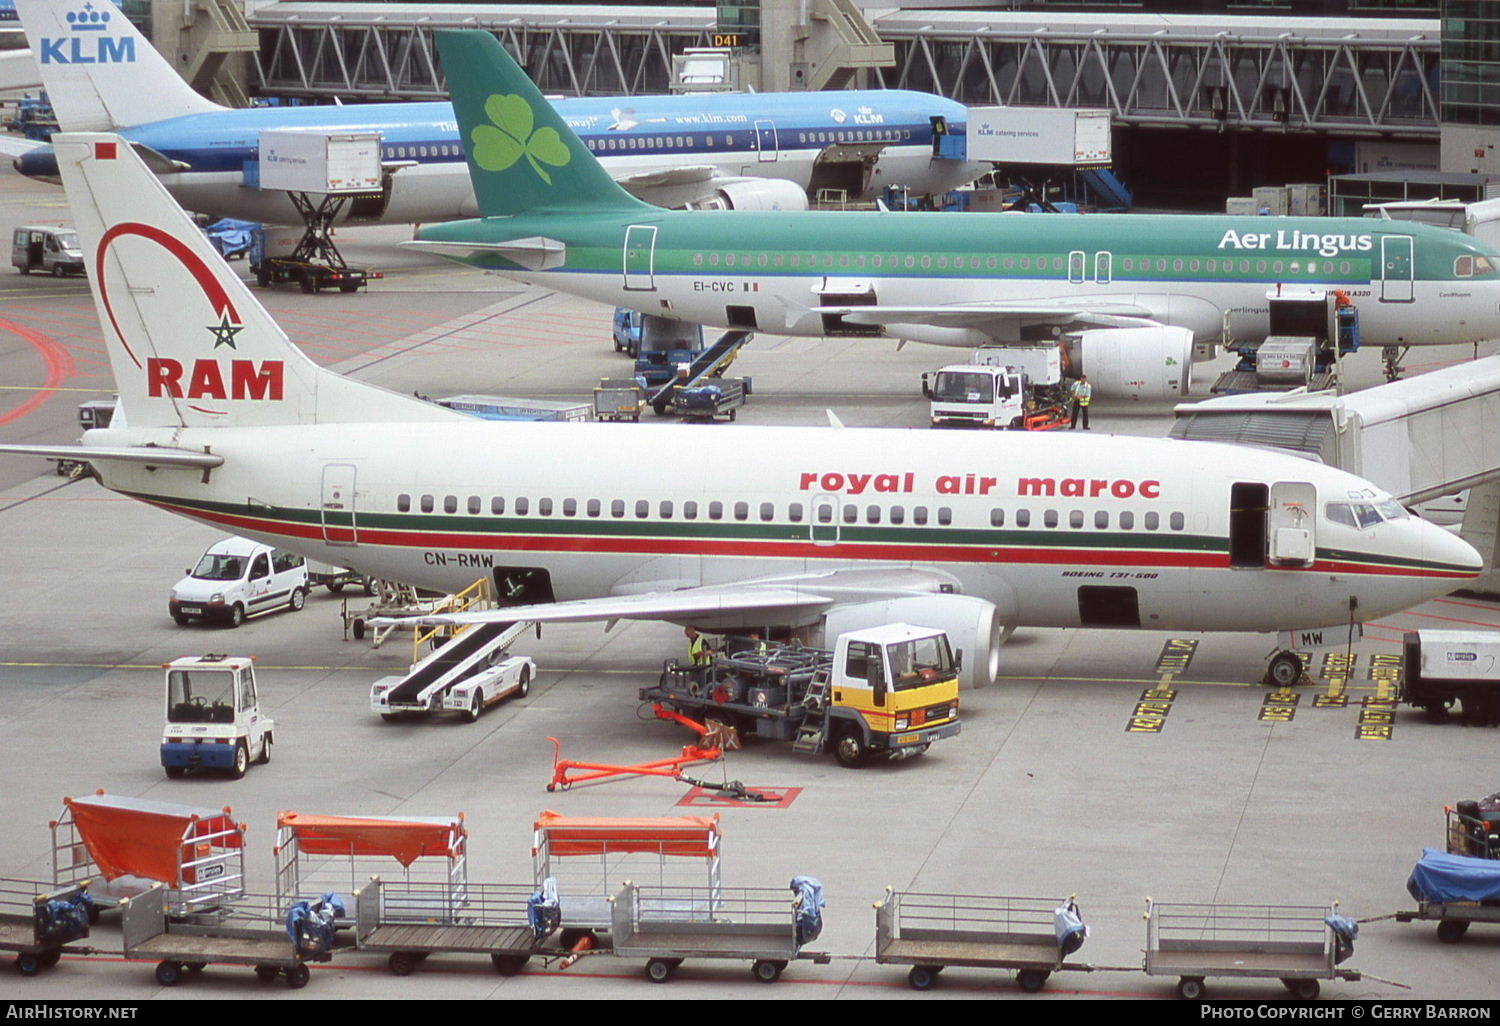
[(933, 932), (1296, 944), (1453, 891), (36, 923), (252, 932), (492, 921), (667, 925)]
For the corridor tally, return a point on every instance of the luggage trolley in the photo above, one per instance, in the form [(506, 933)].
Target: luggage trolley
[(122, 846), (36, 925), (1453, 891), (252, 931), (492, 921), (932, 932), (590, 858), (1295, 944), (320, 854), (666, 925)]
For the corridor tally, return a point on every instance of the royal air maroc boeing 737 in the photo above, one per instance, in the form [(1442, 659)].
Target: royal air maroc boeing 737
[(224, 421), (734, 150), (1130, 294)]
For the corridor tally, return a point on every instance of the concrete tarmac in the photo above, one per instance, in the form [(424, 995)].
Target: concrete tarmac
[(1106, 764)]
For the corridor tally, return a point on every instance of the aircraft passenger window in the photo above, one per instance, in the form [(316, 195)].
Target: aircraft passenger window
[(1153, 521), (427, 504), (544, 507), (945, 515), (919, 514), (690, 510), (1075, 519), (713, 260), (990, 263), (1101, 520), (697, 259), (1023, 518), (642, 509), (474, 504), (497, 505), (450, 504), (1049, 518), (997, 517), (569, 507), (768, 511), (1177, 264), (1177, 521), (1127, 521), (522, 506), (1211, 266), (742, 511), (898, 514), (1260, 267), (824, 514), (665, 509), (716, 510), (729, 259), (403, 503), (851, 514), (872, 514), (794, 512), (595, 507)]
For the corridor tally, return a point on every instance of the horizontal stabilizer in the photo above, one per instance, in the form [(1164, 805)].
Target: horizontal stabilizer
[(536, 253), (155, 456)]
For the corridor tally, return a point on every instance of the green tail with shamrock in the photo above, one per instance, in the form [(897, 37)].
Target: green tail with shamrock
[(523, 158)]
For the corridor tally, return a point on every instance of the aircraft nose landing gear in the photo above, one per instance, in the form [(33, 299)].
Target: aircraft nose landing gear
[(1286, 670)]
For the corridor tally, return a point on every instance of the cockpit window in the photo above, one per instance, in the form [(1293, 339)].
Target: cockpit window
[(1484, 267), (1358, 515), (1392, 510)]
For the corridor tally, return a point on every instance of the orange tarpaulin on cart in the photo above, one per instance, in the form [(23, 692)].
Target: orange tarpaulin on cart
[(132, 837), (689, 836), (404, 840)]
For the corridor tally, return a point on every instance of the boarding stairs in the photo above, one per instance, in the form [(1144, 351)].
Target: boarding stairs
[(708, 363), (461, 657)]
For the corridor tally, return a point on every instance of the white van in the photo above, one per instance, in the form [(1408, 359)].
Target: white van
[(237, 578), (47, 248)]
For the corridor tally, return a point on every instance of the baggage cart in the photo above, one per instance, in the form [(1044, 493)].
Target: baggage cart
[(321, 854), (709, 400), (492, 921), (1291, 943), (587, 859), (667, 925), (252, 932), (35, 925), (933, 932), (1453, 891), (619, 399), (121, 846)]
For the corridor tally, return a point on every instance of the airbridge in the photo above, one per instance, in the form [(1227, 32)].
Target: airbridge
[(1421, 438)]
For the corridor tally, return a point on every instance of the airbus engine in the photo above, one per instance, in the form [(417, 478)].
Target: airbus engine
[(972, 624), (1153, 362), (762, 194)]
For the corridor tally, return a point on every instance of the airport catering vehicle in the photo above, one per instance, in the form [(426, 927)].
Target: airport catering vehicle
[(828, 528), (1134, 299), (236, 578), (742, 151)]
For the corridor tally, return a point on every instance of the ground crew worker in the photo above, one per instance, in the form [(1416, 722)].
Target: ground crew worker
[(1083, 394), (700, 654)]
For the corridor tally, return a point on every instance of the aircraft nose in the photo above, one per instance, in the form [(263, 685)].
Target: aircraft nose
[(1453, 560)]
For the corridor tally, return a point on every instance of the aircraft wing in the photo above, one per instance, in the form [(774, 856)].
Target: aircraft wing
[(795, 599), (1002, 320), (667, 177), (156, 456)]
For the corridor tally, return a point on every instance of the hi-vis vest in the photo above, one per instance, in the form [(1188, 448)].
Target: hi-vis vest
[(1083, 392)]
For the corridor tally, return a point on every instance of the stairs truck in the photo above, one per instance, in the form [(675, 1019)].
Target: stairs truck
[(887, 691), (1017, 388)]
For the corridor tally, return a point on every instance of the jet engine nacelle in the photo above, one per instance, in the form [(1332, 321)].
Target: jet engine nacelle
[(973, 626), (1153, 362), (762, 194)]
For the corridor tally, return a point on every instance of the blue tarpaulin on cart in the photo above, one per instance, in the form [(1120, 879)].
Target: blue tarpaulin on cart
[(809, 908), (1439, 876)]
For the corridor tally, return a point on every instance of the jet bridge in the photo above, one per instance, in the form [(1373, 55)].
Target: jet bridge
[(1421, 438)]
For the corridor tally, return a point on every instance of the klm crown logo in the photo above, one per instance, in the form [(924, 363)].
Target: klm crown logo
[(89, 41), (512, 135)]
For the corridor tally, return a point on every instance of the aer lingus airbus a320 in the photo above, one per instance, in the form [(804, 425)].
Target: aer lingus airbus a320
[(1129, 294), (225, 422)]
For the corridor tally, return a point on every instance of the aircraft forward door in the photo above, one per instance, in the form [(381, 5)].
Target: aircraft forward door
[(337, 506), (1397, 269), (640, 258), (1290, 524), (767, 147)]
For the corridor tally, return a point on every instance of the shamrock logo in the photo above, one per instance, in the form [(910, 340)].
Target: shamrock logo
[(511, 136)]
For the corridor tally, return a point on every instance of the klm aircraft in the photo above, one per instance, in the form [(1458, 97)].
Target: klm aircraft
[(1134, 298), (743, 151)]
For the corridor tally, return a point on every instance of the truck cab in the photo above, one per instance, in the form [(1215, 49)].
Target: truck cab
[(213, 718), (51, 249), (893, 690), (658, 344), (1003, 387)]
